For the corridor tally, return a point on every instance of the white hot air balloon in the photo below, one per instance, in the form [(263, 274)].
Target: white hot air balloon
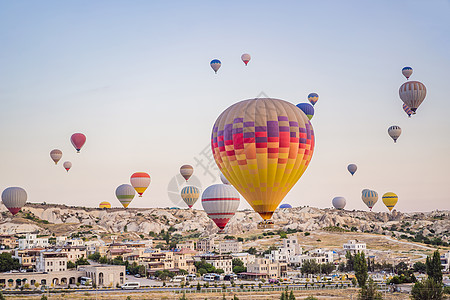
[(224, 179), (220, 202), (14, 198), (412, 94), (67, 165), (56, 155), (339, 202), (394, 132)]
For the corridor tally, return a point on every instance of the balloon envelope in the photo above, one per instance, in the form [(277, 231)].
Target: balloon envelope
[(56, 155), (412, 94), (407, 72), (390, 199), (190, 195), (140, 182), (263, 146), (307, 108), (313, 98), (14, 198), (224, 179), (78, 140), (104, 204), (125, 194), (215, 65), (369, 198), (339, 202), (352, 168), (220, 202), (67, 165), (285, 205), (186, 171), (394, 132), (245, 58)]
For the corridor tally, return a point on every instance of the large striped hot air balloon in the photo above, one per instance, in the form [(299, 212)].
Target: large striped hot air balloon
[(190, 195), (104, 204), (125, 194), (390, 199), (215, 65), (394, 132), (220, 202), (186, 171), (56, 155), (339, 202), (352, 168), (263, 146), (14, 198), (408, 110), (246, 58), (307, 108), (78, 140), (412, 94), (67, 165), (407, 72), (140, 181), (369, 198), (313, 98)]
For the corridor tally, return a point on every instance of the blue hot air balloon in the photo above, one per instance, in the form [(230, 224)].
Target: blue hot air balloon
[(215, 65), (285, 205), (307, 108), (313, 98)]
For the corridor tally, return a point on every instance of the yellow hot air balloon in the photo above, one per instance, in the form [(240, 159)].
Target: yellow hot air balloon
[(104, 204), (390, 199), (263, 146)]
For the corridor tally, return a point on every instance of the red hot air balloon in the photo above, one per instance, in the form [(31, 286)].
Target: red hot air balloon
[(78, 140)]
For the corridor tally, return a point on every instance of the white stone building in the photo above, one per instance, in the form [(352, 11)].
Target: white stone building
[(206, 244), (230, 246), (245, 257), (445, 261), (51, 261), (355, 246), (32, 241), (224, 262)]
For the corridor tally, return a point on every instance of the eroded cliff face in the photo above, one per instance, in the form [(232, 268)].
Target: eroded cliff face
[(34, 217)]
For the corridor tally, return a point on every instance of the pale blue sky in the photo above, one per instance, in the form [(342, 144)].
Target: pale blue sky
[(134, 76)]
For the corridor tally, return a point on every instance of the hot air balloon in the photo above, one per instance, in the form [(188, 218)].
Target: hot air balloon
[(215, 65), (78, 140), (56, 155), (390, 199), (313, 98), (104, 204), (285, 205), (14, 198), (339, 202), (224, 179), (246, 58), (408, 110), (263, 146), (190, 195), (352, 168), (220, 202), (412, 94), (307, 108), (369, 197), (140, 181), (394, 132), (125, 194), (67, 165), (407, 71), (186, 171)]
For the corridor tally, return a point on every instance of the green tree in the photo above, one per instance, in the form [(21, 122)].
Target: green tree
[(434, 268), (420, 267), (71, 265), (199, 286), (82, 262), (103, 260), (44, 297), (350, 258), (427, 290), (282, 297), (252, 250), (95, 256), (311, 298), (1, 296), (183, 297), (370, 291), (360, 267), (327, 268), (7, 262), (291, 296), (310, 267)]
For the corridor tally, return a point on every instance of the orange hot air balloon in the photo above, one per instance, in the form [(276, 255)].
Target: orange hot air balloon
[(263, 146), (186, 171), (140, 182)]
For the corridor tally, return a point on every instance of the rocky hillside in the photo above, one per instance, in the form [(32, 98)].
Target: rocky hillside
[(63, 220)]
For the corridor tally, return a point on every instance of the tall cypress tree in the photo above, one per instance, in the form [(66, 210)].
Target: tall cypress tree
[(360, 267), (434, 268)]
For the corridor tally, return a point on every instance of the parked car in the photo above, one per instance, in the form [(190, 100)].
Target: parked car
[(191, 277), (137, 275), (179, 278), (273, 280), (209, 277), (230, 277), (131, 286)]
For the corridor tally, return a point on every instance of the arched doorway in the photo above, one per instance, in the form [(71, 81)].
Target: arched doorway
[(64, 281), (55, 281), (43, 282), (72, 280), (100, 278)]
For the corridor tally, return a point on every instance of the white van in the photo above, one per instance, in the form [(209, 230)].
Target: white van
[(191, 277), (131, 285), (179, 278), (209, 277)]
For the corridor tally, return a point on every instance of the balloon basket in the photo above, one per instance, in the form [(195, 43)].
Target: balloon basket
[(265, 224)]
